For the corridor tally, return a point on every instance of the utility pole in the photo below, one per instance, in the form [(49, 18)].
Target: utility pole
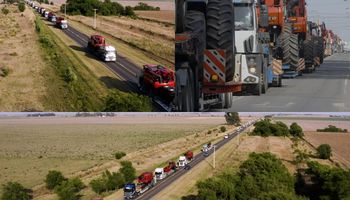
[(214, 158), (95, 18)]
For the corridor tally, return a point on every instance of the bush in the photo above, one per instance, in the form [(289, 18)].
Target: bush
[(68, 190), (232, 118), (128, 171), (262, 176), (109, 181), (21, 7), (5, 11), (296, 130), (46, 1), (332, 128), (144, 6), (77, 7), (4, 71), (15, 191), (266, 128), (51, 3), (222, 129), (53, 179), (118, 155), (69, 75), (324, 151), (118, 101)]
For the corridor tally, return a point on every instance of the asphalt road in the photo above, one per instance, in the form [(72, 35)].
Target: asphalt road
[(196, 160), (325, 90), (123, 68)]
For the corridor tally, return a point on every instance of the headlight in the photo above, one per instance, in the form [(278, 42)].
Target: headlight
[(251, 65)]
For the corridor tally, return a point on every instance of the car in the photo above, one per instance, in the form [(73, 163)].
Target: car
[(226, 136)]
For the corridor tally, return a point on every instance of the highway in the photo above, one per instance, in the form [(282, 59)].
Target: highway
[(325, 90), (196, 160), (124, 69)]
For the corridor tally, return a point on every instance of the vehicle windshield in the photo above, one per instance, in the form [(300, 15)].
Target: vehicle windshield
[(243, 17), (127, 190), (158, 173)]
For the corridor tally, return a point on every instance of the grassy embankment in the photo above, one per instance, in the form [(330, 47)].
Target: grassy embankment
[(73, 87)]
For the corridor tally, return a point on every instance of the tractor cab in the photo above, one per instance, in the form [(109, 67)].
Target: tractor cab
[(130, 191), (97, 40)]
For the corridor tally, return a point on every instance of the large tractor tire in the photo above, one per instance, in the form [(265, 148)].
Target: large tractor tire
[(294, 51), (309, 51), (187, 78), (195, 24), (284, 43), (220, 31), (184, 92), (226, 100), (320, 48)]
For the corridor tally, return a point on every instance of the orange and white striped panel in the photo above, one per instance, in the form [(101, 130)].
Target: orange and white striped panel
[(317, 61), (301, 64), (214, 64), (277, 67)]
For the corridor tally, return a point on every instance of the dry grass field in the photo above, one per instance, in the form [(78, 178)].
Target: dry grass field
[(166, 16), (152, 37), (83, 147), (162, 4), (340, 143), (24, 87)]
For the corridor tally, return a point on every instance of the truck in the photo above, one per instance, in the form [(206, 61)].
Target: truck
[(159, 82), (97, 44), (51, 17), (144, 182), (205, 67), (161, 173), (206, 148), (185, 159), (249, 40), (61, 23)]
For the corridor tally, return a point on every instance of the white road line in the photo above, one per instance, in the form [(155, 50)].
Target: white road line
[(346, 84)]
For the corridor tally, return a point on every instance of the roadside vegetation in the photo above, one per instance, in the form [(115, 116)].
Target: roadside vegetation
[(334, 129), (105, 8), (115, 180), (145, 6), (263, 176), (268, 128), (232, 118), (15, 191), (77, 89)]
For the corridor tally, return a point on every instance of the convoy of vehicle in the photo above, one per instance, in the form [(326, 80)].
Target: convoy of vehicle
[(234, 47), (217, 58)]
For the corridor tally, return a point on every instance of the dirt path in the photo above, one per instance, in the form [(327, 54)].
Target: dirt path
[(24, 87)]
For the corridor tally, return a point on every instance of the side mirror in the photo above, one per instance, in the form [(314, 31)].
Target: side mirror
[(264, 16)]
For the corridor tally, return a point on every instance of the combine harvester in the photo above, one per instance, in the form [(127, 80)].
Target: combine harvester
[(158, 82), (97, 45)]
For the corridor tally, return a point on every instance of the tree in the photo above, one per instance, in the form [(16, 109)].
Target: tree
[(232, 118), (21, 7), (324, 151), (109, 181), (296, 130), (68, 190), (119, 154), (128, 171), (129, 11), (15, 191), (53, 179), (5, 11)]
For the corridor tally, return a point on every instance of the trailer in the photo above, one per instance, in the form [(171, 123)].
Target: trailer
[(185, 159), (97, 44), (144, 182)]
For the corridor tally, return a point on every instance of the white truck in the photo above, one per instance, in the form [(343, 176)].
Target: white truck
[(108, 53), (249, 50)]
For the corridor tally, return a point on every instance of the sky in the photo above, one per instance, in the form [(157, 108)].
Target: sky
[(335, 13)]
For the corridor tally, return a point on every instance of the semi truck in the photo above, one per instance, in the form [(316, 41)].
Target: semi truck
[(144, 182), (162, 173), (97, 44), (185, 159), (61, 23)]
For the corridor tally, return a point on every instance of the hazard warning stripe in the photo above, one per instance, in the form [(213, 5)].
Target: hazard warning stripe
[(277, 67), (214, 64), (214, 59), (317, 61), (301, 64)]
